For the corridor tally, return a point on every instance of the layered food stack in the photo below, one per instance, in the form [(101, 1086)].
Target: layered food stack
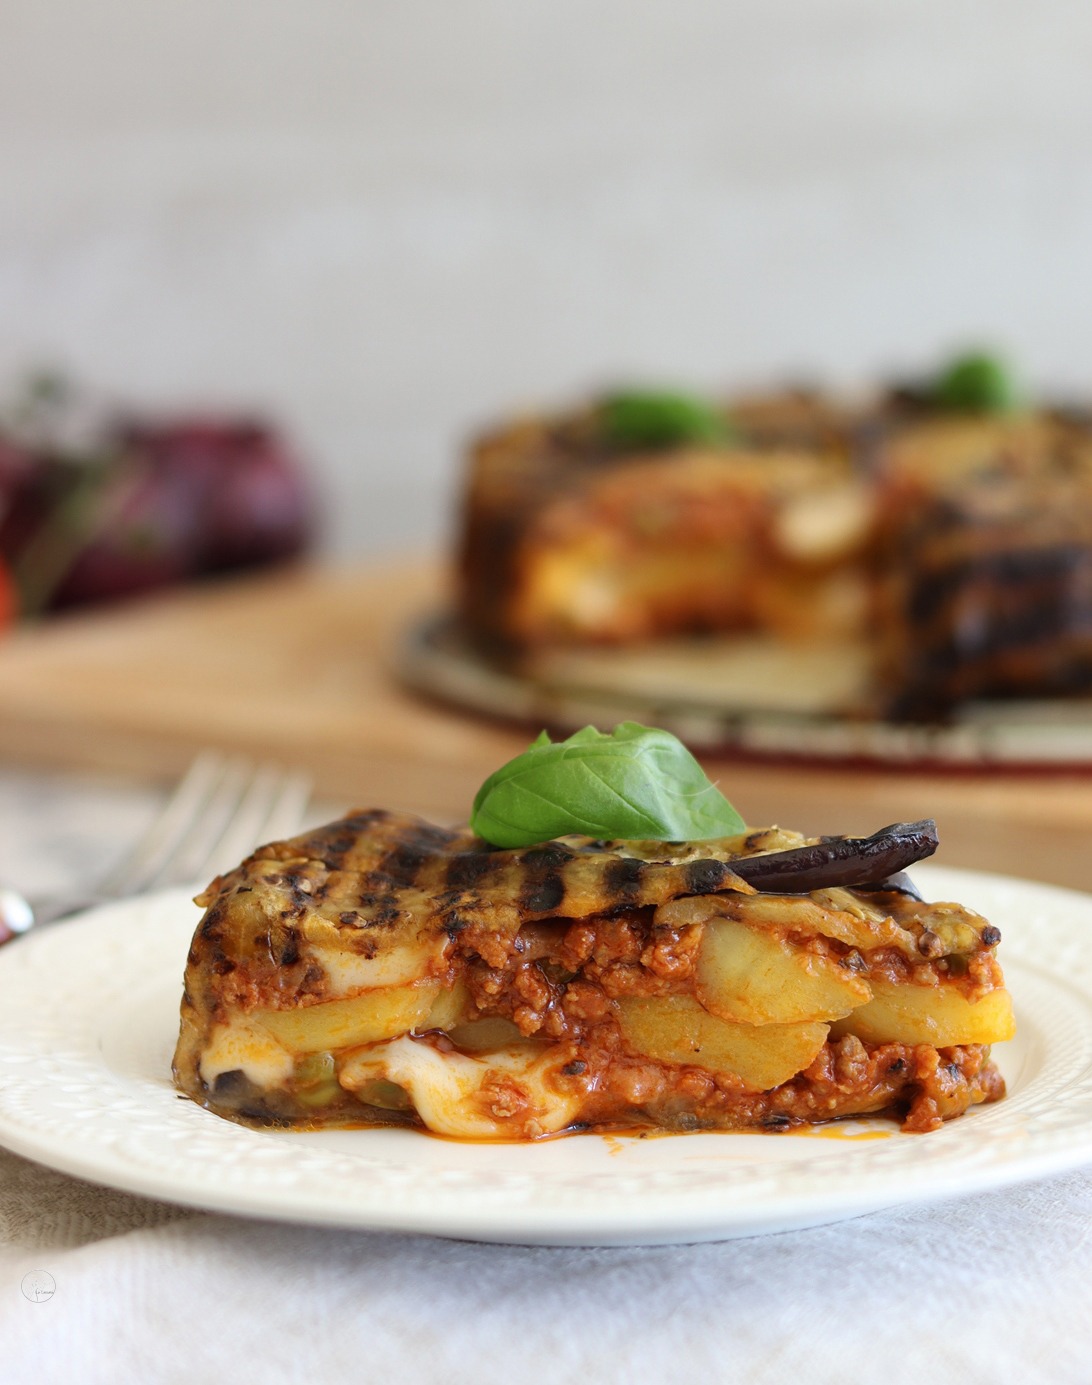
[(605, 946), (946, 527)]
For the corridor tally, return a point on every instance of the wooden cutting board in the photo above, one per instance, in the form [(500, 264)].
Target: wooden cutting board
[(298, 667)]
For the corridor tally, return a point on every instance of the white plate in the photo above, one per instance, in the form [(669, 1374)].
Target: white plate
[(88, 1017)]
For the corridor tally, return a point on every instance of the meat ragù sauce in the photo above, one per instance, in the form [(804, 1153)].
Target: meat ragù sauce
[(559, 982)]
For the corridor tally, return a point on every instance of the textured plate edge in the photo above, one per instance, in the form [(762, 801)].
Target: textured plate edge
[(669, 1227)]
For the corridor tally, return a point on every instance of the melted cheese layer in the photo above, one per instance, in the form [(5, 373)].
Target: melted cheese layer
[(471, 1097), (243, 1045)]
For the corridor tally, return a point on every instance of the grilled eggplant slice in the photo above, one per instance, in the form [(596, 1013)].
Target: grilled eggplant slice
[(383, 970)]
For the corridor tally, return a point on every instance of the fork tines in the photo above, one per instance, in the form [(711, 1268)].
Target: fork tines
[(222, 808)]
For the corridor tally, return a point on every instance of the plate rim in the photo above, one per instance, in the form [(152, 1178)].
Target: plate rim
[(433, 657)]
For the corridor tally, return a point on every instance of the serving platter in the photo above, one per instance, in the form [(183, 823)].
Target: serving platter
[(89, 1015), (753, 695)]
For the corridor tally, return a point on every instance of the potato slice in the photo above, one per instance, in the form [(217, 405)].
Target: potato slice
[(449, 1007), (753, 976), (676, 1029), (363, 1019), (939, 1015)]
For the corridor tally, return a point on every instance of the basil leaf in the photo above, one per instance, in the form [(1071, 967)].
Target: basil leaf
[(979, 383), (661, 419), (637, 783)]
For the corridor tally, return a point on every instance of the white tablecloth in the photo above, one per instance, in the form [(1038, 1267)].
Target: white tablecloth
[(992, 1288)]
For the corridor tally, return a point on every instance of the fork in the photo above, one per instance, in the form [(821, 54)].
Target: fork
[(220, 809)]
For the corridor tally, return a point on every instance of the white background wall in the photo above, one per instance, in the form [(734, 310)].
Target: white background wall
[(386, 220)]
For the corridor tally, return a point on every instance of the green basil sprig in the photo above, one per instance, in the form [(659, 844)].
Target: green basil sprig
[(637, 783), (659, 418), (980, 383)]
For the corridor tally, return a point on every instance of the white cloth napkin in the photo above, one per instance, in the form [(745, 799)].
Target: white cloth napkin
[(992, 1288)]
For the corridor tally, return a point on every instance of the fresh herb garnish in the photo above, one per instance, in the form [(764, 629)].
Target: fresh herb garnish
[(978, 383), (637, 783), (661, 419)]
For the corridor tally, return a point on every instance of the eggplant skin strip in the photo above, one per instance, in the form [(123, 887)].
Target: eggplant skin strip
[(840, 860)]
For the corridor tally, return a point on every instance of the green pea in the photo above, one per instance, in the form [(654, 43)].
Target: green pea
[(661, 419), (316, 1080), (389, 1096), (978, 382), (324, 1094), (314, 1069)]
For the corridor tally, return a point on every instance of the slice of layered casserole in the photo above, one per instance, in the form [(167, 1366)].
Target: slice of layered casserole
[(382, 970)]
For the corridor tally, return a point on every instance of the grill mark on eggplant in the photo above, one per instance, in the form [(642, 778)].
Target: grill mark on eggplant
[(550, 854), (706, 876), (542, 892), (332, 849), (622, 879), (980, 625), (995, 602), (452, 923), (466, 869), (1013, 571), (402, 864)]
